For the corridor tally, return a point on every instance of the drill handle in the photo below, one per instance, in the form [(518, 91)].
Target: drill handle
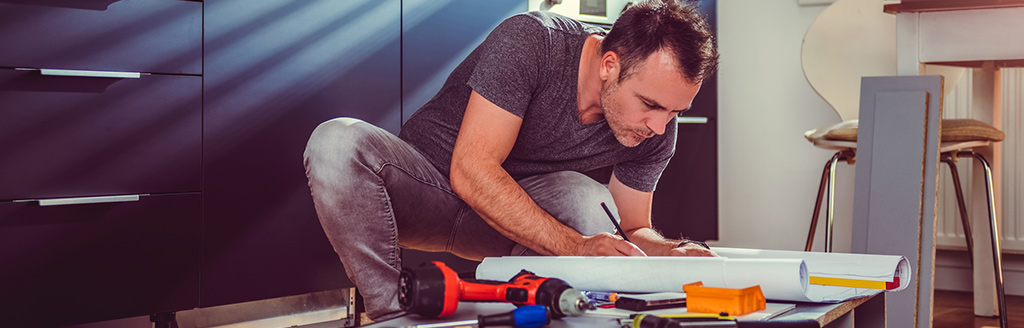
[(492, 291)]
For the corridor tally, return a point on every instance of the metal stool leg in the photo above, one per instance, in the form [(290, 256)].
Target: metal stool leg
[(948, 159), (828, 177), (817, 202), (997, 259)]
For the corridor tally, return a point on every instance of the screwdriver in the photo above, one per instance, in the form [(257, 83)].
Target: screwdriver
[(679, 321), (524, 316)]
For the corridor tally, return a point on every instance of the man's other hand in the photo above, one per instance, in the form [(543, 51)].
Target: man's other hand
[(691, 249), (606, 244)]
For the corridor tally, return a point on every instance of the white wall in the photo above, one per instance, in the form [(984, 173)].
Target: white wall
[(768, 173)]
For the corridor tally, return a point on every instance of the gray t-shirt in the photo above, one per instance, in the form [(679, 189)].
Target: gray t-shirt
[(529, 66)]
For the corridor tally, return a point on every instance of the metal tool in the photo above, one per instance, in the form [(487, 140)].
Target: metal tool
[(524, 316), (709, 320)]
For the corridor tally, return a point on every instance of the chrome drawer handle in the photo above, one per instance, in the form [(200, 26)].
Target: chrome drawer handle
[(85, 73), (691, 120), (88, 200)]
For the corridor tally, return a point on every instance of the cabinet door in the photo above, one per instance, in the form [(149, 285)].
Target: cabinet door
[(70, 264), (274, 70), (437, 36), (156, 36), (85, 136)]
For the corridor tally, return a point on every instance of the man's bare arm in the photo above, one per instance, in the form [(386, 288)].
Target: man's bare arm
[(485, 139), (635, 213)]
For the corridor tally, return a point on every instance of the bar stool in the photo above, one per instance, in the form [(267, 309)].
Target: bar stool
[(958, 137), (854, 38)]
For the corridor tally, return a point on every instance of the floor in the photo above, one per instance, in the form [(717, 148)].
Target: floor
[(956, 310)]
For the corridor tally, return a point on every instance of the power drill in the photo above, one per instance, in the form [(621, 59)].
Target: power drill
[(434, 290)]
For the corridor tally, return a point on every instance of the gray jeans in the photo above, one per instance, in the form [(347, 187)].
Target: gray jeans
[(375, 194)]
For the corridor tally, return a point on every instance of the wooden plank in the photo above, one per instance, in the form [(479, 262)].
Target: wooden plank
[(896, 179)]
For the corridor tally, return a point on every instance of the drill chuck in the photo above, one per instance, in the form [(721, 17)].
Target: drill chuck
[(573, 303)]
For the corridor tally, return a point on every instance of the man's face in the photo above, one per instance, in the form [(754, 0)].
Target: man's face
[(644, 104)]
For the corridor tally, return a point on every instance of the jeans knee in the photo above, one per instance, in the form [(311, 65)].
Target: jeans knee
[(574, 199), (334, 135), (333, 146), (582, 189)]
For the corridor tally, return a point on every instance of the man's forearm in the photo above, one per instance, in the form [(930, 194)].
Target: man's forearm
[(652, 242), (506, 207)]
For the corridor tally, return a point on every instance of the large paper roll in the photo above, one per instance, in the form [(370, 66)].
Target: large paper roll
[(782, 275)]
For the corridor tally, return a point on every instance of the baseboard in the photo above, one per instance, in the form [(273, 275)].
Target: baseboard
[(953, 272)]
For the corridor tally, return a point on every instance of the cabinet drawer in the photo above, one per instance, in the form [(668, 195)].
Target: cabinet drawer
[(162, 36), (79, 136), (83, 263)]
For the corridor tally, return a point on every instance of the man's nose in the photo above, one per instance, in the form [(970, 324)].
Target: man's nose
[(658, 123)]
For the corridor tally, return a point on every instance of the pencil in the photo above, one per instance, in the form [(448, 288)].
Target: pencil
[(615, 222)]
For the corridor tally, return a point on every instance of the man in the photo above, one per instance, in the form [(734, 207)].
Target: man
[(489, 166)]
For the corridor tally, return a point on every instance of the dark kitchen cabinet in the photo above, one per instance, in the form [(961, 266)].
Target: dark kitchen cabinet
[(89, 262), (85, 136), (100, 177), (273, 71), (162, 36), (192, 172)]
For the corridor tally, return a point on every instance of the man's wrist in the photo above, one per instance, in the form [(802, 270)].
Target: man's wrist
[(696, 242)]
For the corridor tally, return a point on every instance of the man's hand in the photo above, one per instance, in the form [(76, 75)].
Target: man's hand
[(606, 244), (691, 249)]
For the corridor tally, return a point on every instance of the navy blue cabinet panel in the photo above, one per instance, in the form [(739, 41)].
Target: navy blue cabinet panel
[(274, 70), (160, 36), (83, 263), (83, 136), (437, 36)]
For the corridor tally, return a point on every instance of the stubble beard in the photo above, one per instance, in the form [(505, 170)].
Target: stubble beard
[(613, 114)]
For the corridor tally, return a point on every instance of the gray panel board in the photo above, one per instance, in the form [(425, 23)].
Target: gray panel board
[(895, 191)]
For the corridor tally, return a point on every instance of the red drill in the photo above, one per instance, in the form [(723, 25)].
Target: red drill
[(434, 290)]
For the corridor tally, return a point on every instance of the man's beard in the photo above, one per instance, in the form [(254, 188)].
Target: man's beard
[(613, 114)]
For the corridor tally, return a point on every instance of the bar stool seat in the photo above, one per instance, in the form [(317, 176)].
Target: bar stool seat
[(956, 134)]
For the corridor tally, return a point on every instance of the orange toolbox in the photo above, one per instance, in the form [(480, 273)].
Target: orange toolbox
[(733, 301)]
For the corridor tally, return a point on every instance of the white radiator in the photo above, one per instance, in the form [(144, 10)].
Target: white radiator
[(950, 234)]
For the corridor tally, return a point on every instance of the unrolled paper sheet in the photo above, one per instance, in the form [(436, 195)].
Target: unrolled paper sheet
[(782, 275)]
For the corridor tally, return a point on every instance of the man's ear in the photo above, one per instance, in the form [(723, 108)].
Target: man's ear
[(609, 66)]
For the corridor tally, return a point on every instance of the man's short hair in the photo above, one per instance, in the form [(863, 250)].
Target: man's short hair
[(651, 25)]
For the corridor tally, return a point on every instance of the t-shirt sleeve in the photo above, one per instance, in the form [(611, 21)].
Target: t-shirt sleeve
[(643, 171), (511, 60)]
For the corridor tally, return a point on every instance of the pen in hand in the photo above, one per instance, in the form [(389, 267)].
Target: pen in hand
[(615, 222)]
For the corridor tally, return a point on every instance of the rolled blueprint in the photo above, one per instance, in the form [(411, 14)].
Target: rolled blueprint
[(782, 275), (890, 269), (781, 279)]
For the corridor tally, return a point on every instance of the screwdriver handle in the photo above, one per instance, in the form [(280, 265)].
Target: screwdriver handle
[(524, 316)]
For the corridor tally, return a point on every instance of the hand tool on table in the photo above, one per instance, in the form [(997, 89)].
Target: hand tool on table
[(709, 320), (434, 290), (524, 316)]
